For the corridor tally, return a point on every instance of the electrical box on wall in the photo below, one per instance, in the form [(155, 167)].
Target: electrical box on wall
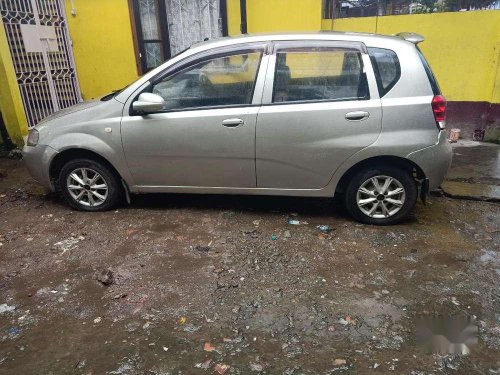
[(38, 38)]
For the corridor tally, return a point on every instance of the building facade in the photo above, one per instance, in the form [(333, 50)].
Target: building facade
[(54, 53)]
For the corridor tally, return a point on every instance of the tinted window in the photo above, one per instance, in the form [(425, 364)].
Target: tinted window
[(223, 81), (319, 75), (432, 79), (387, 69)]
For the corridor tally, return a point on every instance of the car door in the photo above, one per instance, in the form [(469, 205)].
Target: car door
[(205, 135), (320, 106)]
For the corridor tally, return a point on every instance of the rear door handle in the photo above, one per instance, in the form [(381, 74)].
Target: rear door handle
[(357, 115), (233, 122)]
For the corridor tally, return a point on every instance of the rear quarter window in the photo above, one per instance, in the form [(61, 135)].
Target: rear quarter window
[(432, 78), (386, 67)]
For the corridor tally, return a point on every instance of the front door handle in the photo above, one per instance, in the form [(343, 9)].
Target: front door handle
[(357, 115), (233, 122)]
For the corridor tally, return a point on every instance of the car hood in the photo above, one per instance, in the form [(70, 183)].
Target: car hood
[(70, 118), (73, 109)]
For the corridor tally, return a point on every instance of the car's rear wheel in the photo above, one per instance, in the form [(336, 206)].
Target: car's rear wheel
[(381, 196), (88, 185)]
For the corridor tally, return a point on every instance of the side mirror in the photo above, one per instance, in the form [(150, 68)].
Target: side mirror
[(148, 103)]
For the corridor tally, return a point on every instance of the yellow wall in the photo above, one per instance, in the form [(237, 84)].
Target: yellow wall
[(233, 17), (283, 15), (361, 24), (495, 95), (276, 15), (102, 45), (11, 104), (462, 48)]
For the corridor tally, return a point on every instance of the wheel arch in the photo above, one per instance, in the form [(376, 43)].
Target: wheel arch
[(63, 157), (384, 160)]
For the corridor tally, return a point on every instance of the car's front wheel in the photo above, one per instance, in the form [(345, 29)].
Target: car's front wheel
[(381, 196), (88, 185)]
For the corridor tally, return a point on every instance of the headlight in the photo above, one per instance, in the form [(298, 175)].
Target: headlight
[(33, 137)]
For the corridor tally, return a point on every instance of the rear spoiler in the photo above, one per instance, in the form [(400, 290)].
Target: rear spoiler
[(411, 37)]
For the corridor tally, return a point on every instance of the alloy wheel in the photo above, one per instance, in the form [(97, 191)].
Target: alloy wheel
[(380, 197), (87, 187)]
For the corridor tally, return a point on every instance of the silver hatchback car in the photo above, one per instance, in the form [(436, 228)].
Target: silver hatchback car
[(313, 115)]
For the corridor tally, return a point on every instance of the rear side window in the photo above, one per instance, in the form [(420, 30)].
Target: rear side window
[(319, 74), (432, 79), (387, 69)]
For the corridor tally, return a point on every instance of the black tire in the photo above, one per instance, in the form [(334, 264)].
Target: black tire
[(114, 187), (405, 179)]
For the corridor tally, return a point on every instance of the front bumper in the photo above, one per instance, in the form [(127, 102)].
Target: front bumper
[(434, 160), (37, 159)]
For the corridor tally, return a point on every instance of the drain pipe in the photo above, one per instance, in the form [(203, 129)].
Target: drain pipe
[(73, 10), (243, 11)]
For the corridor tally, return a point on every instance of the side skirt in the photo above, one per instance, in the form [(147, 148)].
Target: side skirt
[(326, 192)]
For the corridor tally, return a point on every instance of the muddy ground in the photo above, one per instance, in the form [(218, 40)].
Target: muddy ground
[(214, 284)]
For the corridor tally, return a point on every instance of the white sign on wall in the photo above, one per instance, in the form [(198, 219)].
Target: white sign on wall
[(36, 38)]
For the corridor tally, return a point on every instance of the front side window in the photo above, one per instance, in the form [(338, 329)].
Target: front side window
[(223, 81), (320, 74)]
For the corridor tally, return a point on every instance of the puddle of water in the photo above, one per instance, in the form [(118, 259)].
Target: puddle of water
[(463, 189)]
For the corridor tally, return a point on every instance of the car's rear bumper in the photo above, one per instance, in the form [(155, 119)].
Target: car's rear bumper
[(37, 159), (434, 160)]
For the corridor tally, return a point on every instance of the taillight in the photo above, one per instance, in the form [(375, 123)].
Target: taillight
[(439, 110)]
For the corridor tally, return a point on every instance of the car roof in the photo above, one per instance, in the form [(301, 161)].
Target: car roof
[(366, 38)]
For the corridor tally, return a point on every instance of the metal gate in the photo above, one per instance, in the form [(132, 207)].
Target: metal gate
[(38, 39)]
